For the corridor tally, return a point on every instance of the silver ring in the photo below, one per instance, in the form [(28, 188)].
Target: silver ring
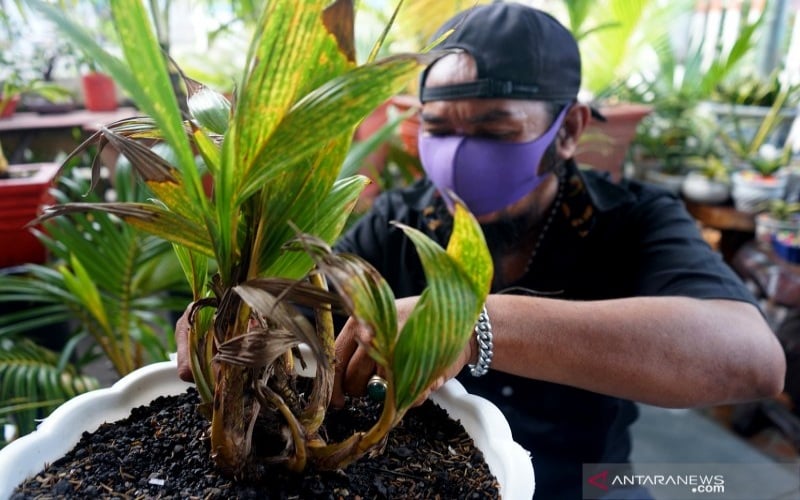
[(376, 388)]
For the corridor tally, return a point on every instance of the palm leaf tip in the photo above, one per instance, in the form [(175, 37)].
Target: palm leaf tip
[(151, 166), (339, 19), (124, 210)]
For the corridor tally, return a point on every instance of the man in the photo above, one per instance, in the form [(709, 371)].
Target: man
[(603, 294)]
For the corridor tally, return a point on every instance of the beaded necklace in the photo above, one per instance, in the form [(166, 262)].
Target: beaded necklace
[(547, 223)]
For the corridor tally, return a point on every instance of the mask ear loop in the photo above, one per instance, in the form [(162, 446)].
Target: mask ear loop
[(555, 164)]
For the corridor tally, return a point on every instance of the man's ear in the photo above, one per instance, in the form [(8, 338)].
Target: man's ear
[(574, 124)]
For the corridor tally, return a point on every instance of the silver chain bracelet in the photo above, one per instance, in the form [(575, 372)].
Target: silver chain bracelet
[(483, 334)]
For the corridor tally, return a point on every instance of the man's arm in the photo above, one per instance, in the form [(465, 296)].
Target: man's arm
[(666, 351)]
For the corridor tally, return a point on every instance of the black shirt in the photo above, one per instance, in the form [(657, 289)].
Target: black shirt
[(606, 241)]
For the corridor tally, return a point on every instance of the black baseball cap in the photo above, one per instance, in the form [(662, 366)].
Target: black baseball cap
[(521, 53)]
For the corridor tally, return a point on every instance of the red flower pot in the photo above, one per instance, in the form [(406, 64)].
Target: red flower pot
[(21, 197), (99, 92), (8, 107)]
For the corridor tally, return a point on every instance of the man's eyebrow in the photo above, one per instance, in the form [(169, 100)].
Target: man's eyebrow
[(431, 118), (489, 116)]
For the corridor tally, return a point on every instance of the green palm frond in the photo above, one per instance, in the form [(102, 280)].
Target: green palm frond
[(34, 381), (607, 43)]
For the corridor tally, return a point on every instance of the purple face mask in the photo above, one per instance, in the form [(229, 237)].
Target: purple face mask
[(487, 174)]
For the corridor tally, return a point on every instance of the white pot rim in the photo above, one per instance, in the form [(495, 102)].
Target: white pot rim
[(59, 432)]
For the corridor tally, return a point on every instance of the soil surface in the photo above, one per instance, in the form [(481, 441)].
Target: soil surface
[(162, 451)]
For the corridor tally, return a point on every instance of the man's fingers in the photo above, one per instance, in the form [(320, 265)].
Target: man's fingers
[(358, 373), (182, 343), (345, 347)]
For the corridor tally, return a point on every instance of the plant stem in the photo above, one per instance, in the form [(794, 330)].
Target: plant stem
[(235, 406), (314, 413)]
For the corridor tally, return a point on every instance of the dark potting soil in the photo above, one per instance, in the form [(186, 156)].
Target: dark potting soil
[(162, 451)]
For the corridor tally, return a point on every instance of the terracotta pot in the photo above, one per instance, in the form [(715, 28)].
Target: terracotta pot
[(99, 92), (408, 128), (21, 198), (604, 145)]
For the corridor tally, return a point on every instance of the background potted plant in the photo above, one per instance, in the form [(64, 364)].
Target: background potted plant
[(679, 130), (24, 73), (708, 181), (775, 216), (669, 143), (299, 101), (778, 228), (741, 104), (759, 163), (15, 86), (106, 285)]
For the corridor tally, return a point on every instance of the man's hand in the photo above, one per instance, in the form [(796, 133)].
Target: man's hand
[(354, 367)]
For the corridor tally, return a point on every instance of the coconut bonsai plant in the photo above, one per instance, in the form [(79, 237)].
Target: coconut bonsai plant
[(274, 155)]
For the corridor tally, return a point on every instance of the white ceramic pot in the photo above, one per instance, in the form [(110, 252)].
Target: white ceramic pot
[(697, 187), (61, 431), (751, 191), (670, 182)]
